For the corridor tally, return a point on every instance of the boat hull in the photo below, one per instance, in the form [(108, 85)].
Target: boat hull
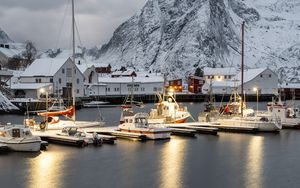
[(28, 146), (150, 134), (261, 126)]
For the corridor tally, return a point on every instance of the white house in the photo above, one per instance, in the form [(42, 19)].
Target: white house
[(57, 72), (219, 74), (142, 84), (263, 79), (9, 51)]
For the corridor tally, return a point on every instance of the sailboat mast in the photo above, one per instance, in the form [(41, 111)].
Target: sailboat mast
[(73, 59), (242, 70)]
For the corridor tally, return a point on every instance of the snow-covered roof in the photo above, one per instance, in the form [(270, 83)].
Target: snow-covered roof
[(30, 85), (10, 53), (219, 71), (138, 79), (249, 74), (83, 67), (123, 73), (290, 85), (44, 67)]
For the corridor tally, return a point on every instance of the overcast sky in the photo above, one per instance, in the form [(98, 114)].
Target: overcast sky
[(48, 22)]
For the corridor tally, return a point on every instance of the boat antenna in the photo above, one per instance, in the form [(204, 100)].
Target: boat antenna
[(73, 59), (242, 70)]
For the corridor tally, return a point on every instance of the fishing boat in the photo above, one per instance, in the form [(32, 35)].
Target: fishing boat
[(19, 138), (289, 116), (167, 110), (138, 123)]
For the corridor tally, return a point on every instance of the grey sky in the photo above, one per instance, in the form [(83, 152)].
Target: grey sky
[(48, 22)]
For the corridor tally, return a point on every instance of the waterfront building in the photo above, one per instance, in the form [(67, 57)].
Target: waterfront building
[(290, 90), (219, 74), (195, 84), (175, 85), (143, 83), (53, 73), (263, 79)]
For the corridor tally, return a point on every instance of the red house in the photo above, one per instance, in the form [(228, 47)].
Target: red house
[(176, 85), (195, 83)]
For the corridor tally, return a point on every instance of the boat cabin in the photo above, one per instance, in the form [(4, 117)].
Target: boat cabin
[(139, 120)]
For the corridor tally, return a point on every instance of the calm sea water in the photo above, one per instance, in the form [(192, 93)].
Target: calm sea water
[(227, 160)]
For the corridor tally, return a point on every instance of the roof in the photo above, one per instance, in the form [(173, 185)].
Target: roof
[(219, 71), (83, 67), (30, 85), (44, 67), (123, 73), (290, 85), (138, 79), (249, 74)]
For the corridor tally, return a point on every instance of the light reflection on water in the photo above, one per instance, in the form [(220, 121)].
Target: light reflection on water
[(172, 163), (254, 162), (46, 170)]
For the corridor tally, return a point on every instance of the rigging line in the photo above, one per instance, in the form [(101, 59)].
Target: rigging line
[(62, 24)]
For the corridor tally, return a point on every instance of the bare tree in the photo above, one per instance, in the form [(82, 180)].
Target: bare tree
[(29, 54)]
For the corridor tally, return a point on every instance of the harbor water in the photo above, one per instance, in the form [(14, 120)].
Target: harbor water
[(226, 160)]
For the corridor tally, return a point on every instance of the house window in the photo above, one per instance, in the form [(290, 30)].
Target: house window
[(136, 89), (155, 89), (225, 76), (270, 75), (59, 80), (38, 80), (69, 72), (63, 71), (117, 89), (77, 91), (219, 77), (261, 75), (212, 77), (108, 89), (74, 71), (51, 80), (77, 80), (142, 89), (229, 77)]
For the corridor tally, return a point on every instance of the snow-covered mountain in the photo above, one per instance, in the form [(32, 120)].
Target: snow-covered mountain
[(177, 36), (4, 38)]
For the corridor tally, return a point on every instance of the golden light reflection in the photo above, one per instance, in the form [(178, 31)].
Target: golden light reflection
[(46, 170), (254, 162), (172, 163)]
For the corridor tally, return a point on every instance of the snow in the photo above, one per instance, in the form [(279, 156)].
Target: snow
[(249, 74), (219, 71), (33, 86), (44, 67), (5, 104), (138, 79)]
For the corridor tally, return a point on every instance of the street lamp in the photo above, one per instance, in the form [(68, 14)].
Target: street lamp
[(256, 90)]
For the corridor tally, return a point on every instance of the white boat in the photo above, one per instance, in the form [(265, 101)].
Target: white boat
[(167, 110), (289, 116), (19, 138), (138, 123), (75, 136), (95, 104)]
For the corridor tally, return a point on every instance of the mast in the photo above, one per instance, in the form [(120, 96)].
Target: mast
[(73, 59), (242, 70)]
